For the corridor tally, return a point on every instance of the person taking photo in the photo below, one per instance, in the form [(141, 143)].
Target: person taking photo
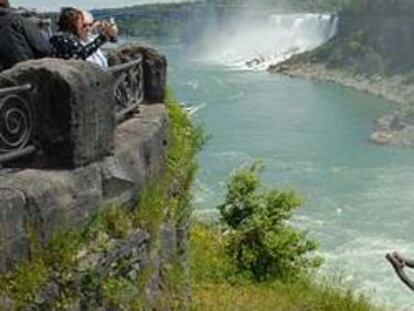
[(67, 43)]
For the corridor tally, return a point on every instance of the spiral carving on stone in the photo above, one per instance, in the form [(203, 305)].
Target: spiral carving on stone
[(16, 124)]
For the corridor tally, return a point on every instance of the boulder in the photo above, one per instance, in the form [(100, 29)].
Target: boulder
[(73, 107)]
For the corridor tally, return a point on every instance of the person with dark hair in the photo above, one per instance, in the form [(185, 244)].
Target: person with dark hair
[(20, 38), (68, 44)]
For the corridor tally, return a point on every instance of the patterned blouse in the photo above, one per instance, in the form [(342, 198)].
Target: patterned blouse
[(66, 45)]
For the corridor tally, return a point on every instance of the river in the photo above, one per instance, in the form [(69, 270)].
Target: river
[(313, 138)]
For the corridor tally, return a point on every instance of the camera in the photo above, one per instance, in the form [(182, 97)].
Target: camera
[(102, 24), (113, 24)]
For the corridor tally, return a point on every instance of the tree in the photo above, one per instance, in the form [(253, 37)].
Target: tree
[(259, 238)]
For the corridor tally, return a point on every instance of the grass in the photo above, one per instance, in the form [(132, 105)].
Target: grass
[(24, 283), (217, 286), (122, 295), (303, 296)]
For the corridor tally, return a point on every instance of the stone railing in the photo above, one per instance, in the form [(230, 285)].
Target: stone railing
[(63, 113), (129, 87)]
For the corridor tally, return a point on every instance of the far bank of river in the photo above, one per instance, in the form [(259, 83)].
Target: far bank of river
[(396, 128)]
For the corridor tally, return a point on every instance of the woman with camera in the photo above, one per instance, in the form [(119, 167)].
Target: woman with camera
[(69, 42)]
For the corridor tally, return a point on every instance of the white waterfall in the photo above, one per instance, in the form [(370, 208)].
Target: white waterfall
[(257, 44)]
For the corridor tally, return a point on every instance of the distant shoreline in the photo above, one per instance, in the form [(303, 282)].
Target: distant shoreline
[(395, 128)]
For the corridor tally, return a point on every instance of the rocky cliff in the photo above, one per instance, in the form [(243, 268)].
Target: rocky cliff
[(374, 37), (94, 214)]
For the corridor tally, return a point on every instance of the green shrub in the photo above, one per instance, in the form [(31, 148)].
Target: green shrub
[(121, 294), (116, 222), (62, 249), (24, 283), (260, 241)]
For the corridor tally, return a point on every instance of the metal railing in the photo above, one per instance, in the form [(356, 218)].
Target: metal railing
[(129, 88), (16, 123)]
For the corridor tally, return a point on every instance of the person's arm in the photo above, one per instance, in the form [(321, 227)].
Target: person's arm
[(36, 39)]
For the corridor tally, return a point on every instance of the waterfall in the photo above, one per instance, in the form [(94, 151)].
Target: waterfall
[(255, 44)]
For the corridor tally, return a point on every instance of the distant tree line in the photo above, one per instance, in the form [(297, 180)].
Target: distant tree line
[(316, 5), (156, 21)]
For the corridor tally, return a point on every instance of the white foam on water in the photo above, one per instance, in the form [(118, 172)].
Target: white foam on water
[(193, 84), (359, 256), (191, 109), (258, 45)]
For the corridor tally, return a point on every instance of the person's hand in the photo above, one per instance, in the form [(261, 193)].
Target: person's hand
[(97, 25), (115, 29), (109, 30)]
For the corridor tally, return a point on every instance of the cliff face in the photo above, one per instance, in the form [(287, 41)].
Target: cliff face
[(376, 37), (95, 217)]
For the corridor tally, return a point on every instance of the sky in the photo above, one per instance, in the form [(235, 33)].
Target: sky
[(54, 5)]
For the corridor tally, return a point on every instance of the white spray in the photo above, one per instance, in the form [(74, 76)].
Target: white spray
[(255, 44)]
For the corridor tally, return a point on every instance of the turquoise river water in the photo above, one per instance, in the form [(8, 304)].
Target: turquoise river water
[(313, 138)]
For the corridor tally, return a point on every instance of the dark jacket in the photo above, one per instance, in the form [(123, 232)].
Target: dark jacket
[(20, 39), (66, 45)]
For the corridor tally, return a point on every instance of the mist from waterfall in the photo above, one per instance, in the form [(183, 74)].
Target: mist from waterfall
[(256, 42)]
